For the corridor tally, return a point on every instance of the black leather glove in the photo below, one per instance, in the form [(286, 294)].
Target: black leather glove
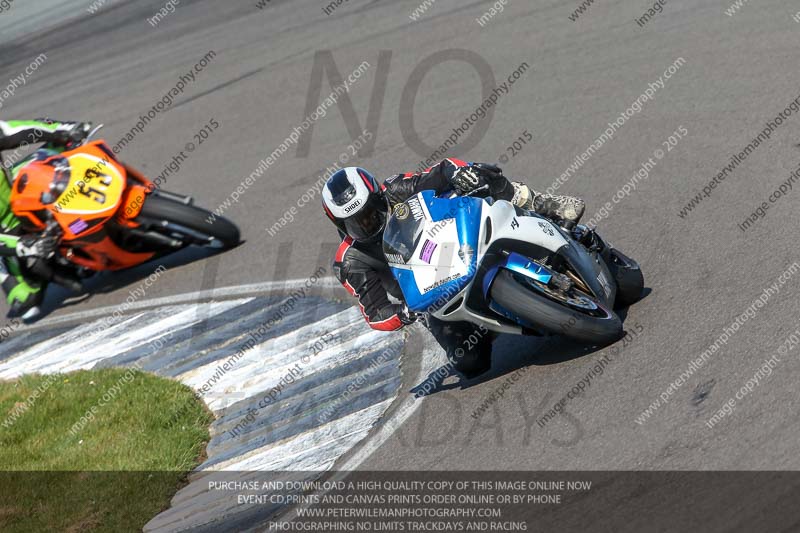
[(37, 246), (488, 170), (499, 186), (466, 180), (407, 316), (71, 134)]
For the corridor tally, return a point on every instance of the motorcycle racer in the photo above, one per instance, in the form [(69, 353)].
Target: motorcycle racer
[(24, 293), (359, 207)]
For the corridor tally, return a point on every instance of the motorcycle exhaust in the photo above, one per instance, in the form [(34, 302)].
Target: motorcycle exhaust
[(45, 271), (185, 200), (156, 238)]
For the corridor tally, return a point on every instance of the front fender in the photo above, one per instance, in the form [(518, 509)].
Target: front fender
[(519, 264), (592, 270), (590, 267)]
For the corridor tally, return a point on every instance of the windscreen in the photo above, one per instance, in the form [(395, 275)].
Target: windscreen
[(402, 234)]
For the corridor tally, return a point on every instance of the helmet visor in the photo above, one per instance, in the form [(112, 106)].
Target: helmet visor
[(366, 224)]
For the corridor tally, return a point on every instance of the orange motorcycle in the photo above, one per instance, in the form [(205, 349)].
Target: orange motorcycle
[(109, 216)]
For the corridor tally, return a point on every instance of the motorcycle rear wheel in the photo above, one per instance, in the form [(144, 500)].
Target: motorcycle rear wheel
[(516, 296)]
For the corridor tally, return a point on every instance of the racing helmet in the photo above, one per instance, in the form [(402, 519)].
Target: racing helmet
[(355, 203)]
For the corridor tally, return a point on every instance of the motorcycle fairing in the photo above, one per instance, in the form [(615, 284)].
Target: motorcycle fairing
[(94, 189), (82, 189), (474, 228), (442, 259)]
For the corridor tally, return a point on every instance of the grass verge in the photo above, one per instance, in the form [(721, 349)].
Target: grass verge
[(100, 450)]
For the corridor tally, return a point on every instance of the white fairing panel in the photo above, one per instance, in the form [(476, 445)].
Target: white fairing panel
[(507, 225)]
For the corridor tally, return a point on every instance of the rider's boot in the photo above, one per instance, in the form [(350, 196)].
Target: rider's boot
[(567, 208), (470, 359), (523, 196), (23, 296)]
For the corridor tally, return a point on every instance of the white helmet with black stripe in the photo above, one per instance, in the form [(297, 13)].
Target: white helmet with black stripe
[(355, 202)]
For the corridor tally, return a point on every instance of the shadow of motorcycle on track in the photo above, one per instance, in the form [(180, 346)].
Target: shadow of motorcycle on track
[(511, 353), (58, 297)]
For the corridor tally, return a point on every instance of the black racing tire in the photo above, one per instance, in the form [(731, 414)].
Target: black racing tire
[(629, 278), (192, 217), (553, 317)]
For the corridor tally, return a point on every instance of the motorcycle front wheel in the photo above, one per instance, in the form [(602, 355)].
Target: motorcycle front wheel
[(580, 319), (191, 224)]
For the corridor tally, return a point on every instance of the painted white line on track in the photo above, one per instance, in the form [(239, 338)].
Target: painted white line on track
[(85, 346), (431, 359)]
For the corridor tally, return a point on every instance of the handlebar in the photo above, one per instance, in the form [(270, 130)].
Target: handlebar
[(92, 133), (454, 194)]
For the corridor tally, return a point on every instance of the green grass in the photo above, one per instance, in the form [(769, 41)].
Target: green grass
[(114, 470)]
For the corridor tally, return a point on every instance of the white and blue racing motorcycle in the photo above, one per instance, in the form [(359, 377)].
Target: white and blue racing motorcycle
[(508, 270)]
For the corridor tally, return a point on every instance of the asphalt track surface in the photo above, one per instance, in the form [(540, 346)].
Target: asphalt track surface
[(702, 271)]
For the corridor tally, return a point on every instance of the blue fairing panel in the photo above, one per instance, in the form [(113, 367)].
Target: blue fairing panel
[(519, 264), (467, 212), (432, 300)]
